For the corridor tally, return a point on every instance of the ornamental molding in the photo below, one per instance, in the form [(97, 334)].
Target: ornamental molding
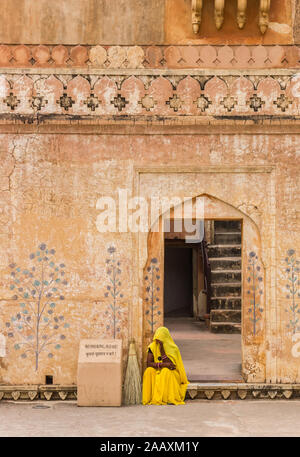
[(155, 57), (33, 97)]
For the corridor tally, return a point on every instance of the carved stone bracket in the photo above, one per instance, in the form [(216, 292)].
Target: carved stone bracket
[(219, 13), (196, 14), (241, 13), (264, 10)]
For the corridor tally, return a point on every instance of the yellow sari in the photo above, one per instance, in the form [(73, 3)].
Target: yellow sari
[(164, 386)]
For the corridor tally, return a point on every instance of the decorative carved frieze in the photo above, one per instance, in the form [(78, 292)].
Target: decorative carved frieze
[(225, 95)]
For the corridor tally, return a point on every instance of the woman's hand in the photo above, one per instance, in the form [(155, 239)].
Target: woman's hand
[(169, 365)]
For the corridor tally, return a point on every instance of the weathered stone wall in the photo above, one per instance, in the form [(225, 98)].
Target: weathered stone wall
[(82, 21), (139, 22), (296, 27), (50, 187)]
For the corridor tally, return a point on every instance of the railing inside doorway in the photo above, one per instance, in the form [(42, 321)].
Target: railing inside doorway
[(207, 272)]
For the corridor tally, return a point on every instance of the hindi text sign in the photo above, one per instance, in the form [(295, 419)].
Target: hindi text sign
[(99, 378)]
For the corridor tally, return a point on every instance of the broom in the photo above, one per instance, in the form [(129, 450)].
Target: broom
[(132, 384)]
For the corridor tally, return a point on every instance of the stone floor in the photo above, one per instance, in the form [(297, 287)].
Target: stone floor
[(194, 419), (207, 357)]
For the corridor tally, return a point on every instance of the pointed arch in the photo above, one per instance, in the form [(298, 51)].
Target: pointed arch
[(253, 306)]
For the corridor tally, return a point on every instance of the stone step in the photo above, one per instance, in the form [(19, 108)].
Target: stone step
[(226, 290), (228, 238), (223, 276), (225, 315), (225, 263), (227, 225), (226, 303), (225, 327), (222, 250)]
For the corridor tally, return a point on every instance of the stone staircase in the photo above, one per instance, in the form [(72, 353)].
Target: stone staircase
[(225, 260)]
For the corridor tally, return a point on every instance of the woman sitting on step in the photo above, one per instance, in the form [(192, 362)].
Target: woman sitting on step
[(164, 380)]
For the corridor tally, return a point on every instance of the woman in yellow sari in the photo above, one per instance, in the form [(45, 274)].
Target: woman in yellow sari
[(164, 380)]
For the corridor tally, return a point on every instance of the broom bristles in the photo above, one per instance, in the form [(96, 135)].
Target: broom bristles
[(132, 384)]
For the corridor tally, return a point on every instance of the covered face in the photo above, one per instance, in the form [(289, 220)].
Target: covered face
[(171, 350), (162, 334)]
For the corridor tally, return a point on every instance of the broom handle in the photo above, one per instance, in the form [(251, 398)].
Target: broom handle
[(130, 314)]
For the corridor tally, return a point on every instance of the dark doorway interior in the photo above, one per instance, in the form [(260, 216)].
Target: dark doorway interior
[(202, 301), (178, 286)]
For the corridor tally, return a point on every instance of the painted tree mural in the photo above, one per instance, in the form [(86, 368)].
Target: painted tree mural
[(152, 289), (255, 290), (37, 328), (292, 271), (114, 312)]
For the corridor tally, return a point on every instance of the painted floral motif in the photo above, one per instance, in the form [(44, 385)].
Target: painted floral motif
[(293, 309), (37, 327), (255, 291), (152, 290), (114, 312)]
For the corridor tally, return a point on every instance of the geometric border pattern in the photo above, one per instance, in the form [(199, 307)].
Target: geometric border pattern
[(147, 95)]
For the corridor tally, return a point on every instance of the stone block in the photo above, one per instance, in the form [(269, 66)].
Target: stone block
[(227, 315), (99, 377), (227, 327)]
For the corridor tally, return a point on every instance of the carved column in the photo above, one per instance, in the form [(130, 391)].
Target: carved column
[(264, 9), (241, 13), (219, 13), (196, 14)]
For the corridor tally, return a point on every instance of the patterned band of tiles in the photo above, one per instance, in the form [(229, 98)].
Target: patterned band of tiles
[(148, 95)]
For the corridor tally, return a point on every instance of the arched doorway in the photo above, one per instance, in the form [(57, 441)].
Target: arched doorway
[(252, 294)]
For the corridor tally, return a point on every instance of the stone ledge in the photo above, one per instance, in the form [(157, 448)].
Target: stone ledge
[(38, 392), (180, 125), (195, 391), (242, 391)]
